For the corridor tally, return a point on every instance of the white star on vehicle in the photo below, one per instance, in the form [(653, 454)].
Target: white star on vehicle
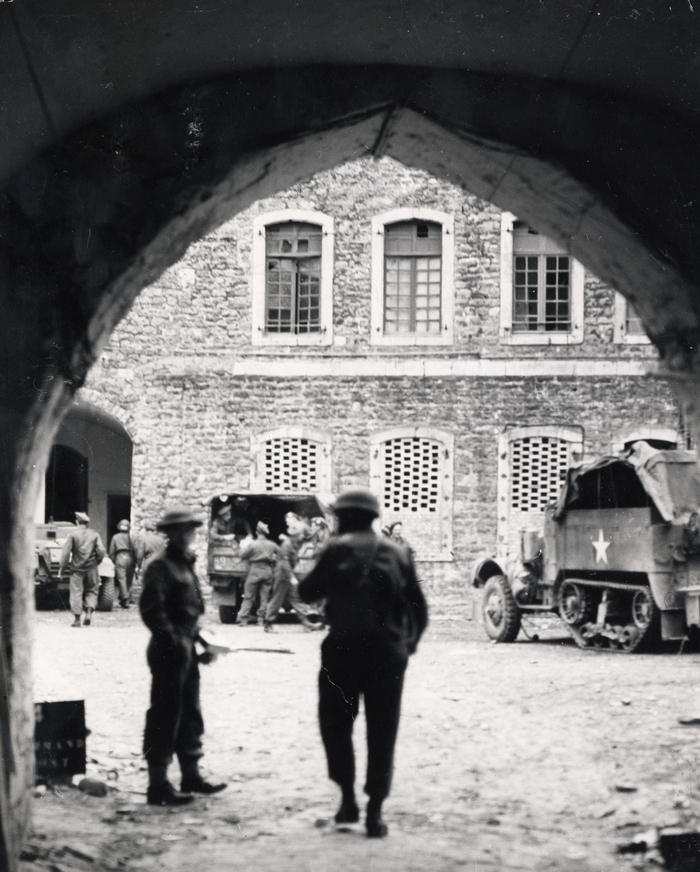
[(601, 546)]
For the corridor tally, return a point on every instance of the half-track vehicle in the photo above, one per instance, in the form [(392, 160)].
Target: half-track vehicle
[(226, 570), (51, 590), (619, 561)]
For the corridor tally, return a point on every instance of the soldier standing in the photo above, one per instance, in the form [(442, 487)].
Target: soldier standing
[(171, 603), (84, 552), (377, 613), (123, 554), (262, 554), (284, 587)]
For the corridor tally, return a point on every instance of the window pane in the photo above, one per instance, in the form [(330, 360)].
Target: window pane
[(541, 293), (293, 284)]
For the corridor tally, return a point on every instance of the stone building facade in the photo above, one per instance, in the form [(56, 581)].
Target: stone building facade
[(378, 326)]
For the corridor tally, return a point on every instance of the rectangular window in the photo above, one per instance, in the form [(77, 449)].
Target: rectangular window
[(293, 278), (413, 277), (541, 283)]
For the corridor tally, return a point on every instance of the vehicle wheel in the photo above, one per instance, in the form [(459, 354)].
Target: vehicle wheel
[(501, 613), (644, 632), (574, 604), (227, 614), (105, 598)]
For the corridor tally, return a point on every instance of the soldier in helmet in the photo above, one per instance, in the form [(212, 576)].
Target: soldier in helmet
[(377, 613), (82, 552), (122, 552), (171, 603)]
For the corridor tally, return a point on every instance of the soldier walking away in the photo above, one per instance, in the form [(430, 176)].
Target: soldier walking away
[(123, 554), (82, 552), (377, 613), (171, 603), (284, 587), (262, 554)]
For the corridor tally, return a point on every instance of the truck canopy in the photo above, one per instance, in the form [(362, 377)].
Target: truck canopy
[(666, 479), (248, 509)]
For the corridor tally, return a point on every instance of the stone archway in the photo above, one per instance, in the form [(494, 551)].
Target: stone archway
[(87, 224)]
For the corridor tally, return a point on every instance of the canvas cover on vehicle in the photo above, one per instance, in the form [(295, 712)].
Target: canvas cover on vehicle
[(666, 479)]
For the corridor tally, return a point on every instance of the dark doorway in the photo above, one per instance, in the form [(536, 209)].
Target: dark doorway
[(66, 484), (118, 509)]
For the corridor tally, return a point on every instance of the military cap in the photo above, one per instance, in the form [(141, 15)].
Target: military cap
[(178, 518), (124, 525), (82, 518), (357, 498)]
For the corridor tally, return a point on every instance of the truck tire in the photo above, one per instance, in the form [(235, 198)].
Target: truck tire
[(227, 614), (501, 613), (105, 597)]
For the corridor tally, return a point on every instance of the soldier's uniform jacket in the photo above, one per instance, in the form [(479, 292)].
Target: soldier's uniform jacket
[(121, 542), (371, 589), (83, 550), (171, 599), (262, 554)]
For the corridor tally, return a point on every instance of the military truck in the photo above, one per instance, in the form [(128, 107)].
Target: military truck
[(619, 561), (226, 570), (50, 589)]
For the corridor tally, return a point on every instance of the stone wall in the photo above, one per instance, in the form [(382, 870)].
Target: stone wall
[(202, 305), (184, 370)]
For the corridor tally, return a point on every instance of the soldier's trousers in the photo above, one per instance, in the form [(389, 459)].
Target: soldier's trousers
[(284, 591), (84, 586), (174, 722), (255, 585), (123, 574), (374, 669)]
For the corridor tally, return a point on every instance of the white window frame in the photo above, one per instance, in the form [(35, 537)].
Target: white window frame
[(510, 337), (444, 553), (257, 460), (620, 334), (379, 222), (258, 273), (573, 435)]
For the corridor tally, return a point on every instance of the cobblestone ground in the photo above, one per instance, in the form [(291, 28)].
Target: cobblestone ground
[(535, 755)]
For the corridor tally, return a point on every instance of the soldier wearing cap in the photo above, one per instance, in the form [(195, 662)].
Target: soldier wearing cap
[(83, 552), (122, 552), (262, 554), (377, 613), (171, 603)]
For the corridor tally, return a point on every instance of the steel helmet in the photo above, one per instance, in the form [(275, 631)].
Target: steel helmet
[(124, 525), (357, 498)]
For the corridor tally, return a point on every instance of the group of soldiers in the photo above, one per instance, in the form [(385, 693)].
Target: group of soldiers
[(373, 605), (271, 581), (82, 554)]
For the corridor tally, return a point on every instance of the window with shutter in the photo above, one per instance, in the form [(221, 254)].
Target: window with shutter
[(538, 467), (411, 473), (291, 465), (531, 471)]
